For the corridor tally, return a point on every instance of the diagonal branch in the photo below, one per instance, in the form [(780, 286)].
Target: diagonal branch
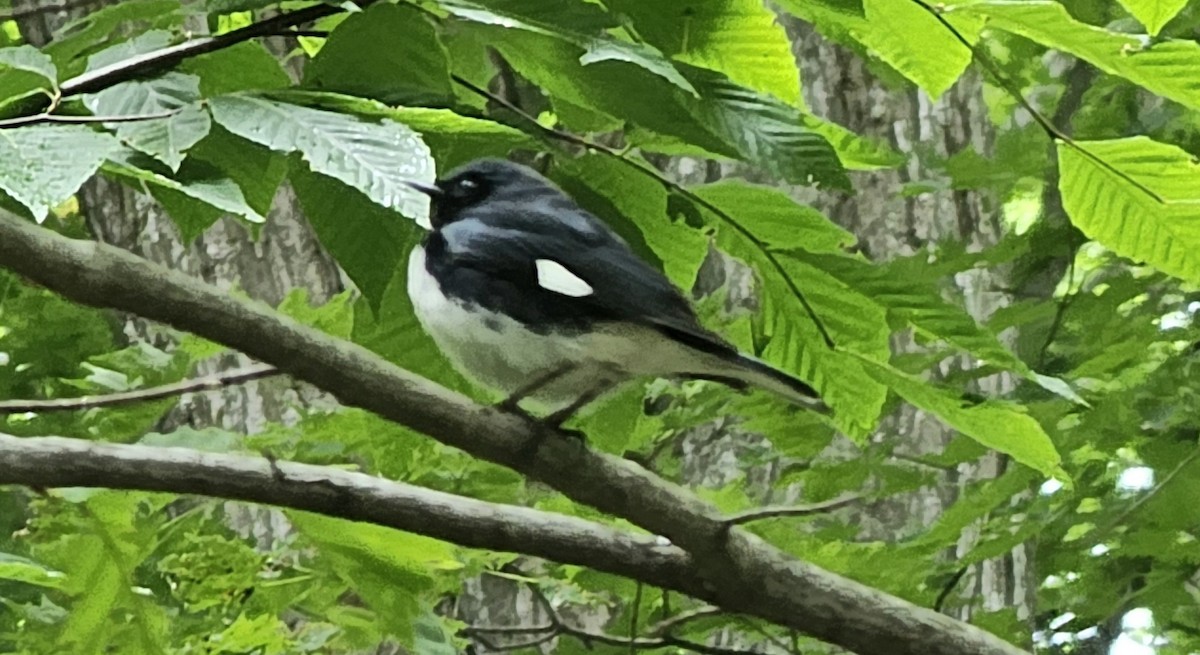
[(46, 462), (207, 383), (164, 58), (740, 572)]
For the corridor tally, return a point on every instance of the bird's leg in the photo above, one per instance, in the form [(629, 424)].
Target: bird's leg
[(510, 404), (563, 415)]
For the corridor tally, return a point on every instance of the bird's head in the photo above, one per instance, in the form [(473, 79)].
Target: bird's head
[(484, 180)]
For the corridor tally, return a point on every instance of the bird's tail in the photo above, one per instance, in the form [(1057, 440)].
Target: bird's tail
[(742, 370)]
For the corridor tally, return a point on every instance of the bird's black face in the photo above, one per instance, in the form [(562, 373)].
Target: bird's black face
[(481, 181)]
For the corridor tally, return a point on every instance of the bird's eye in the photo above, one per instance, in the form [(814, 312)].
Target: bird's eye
[(468, 185)]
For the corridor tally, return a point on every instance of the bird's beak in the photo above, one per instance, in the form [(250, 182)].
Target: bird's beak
[(427, 189)]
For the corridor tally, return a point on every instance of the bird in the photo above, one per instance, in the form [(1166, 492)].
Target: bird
[(529, 294)]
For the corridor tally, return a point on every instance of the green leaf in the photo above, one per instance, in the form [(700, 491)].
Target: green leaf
[(453, 138), (335, 317), (1000, 426), (241, 67), (29, 58), (785, 334), (856, 152), (1167, 67), (230, 6), (165, 139), (256, 170), (389, 569), (766, 132), (776, 219), (1112, 209), (740, 38), (21, 569), (1154, 14), (196, 180), (104, 23), (43, 165), (364, 57), (368, 241), (596, 47), (933, 62), (377, 158)]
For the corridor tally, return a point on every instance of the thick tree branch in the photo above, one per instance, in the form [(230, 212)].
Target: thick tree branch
[(746, 574), (57, 462), (208, 383)]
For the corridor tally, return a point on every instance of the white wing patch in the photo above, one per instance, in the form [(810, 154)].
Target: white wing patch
[(555, 277)]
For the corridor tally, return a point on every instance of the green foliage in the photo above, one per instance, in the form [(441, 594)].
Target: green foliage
[(1100, 349)]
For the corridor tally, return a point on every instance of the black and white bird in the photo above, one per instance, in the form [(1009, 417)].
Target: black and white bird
[(529, 294)]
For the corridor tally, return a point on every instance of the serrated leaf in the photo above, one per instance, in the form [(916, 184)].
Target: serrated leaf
[(996, 425), (363, 57), (43, 165), (29, 58), (786, 335), (378, 158), (453, 138), (765, 131), (740, 38), (597, 47), (1154, 14), (257, 170), (165, 139), (83, 35), (776, 219), (886, 28), (856, 152), (1166, 67), (1112, 209)]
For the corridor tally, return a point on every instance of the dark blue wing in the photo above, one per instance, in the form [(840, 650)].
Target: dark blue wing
[(489, 257)]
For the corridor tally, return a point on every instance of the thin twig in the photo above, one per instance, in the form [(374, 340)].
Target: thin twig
[(668, 624), (777, 511), (165, 58), (668, 183), (1098, 535), (1060, 310), (23, 121), (208, 383), (633, 618), (998, 75), (944, 594)]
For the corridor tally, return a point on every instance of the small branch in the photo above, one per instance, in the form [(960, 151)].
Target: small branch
[(165, 58), (22, 121), (1051, 130), (777, 511), (1063, 304), (944, 594), (208, 383), (668, 624), (668, 183), (559, 627), (49, 462)]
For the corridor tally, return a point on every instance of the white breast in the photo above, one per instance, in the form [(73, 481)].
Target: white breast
[(494, 350)]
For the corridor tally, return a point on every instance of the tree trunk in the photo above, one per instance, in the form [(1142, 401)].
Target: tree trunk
[(838, 87)]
